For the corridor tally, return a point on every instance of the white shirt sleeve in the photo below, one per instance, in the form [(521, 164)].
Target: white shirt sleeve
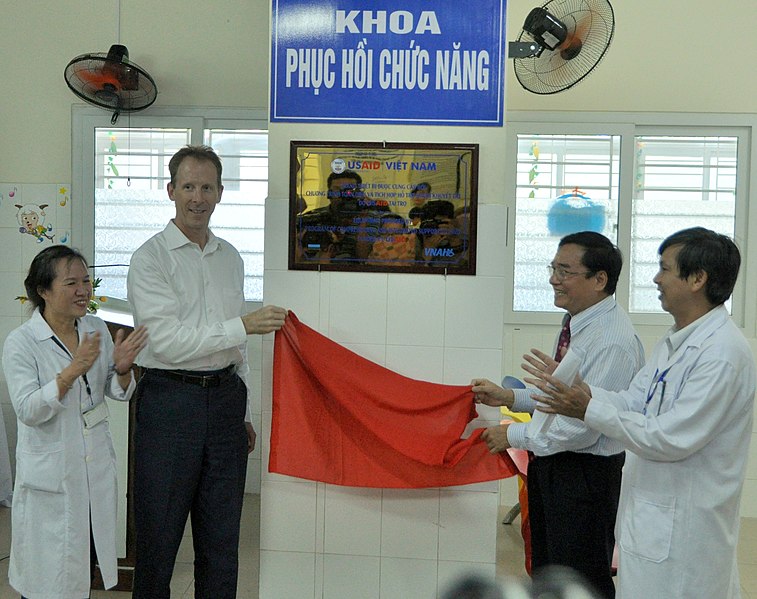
[(174, 342)]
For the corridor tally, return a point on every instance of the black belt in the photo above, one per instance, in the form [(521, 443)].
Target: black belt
[(204, 379)]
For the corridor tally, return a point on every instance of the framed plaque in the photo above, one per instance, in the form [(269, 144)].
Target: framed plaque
[(383, 207)]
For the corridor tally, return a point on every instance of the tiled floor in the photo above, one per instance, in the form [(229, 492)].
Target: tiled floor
[(509, 557), (182, 584)]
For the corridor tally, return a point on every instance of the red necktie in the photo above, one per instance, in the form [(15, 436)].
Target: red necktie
[(563, 341)]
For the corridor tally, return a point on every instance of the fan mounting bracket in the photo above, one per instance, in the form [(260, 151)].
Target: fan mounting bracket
[(523, 49)]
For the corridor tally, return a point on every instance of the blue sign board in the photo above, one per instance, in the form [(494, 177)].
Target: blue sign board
[(412, 63)]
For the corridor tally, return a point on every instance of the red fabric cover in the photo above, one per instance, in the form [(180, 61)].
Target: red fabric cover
[(341, 419), (525, 522), (520, 459)]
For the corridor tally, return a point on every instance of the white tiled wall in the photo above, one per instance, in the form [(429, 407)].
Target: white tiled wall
[(254, 379), (378, 543), (402, 578), (287, 574), (288, 515), (416, 510), (16, 252), (351, 576), (413, 312), (467, 526), (352, 521)]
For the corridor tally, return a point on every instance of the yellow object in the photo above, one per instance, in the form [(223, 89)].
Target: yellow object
[(516, 416)]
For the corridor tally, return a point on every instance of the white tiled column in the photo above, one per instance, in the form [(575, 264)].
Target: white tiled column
[(329, 542)]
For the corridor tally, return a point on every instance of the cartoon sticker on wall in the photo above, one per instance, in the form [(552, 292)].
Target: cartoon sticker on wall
[(31, 218), (63, 199), (11, 193)]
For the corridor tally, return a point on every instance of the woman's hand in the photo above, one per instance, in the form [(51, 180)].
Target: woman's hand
[(127, 348), (86, 353)]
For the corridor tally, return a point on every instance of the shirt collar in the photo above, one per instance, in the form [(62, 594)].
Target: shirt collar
[(584, 317), (42, 330), (676, 339), (39, 326), (176, 239)]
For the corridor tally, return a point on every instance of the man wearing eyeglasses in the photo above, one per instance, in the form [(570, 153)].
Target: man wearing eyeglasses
[(574, 473), (686, 421)]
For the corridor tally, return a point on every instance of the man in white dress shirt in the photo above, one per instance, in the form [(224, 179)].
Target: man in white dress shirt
[(193, 430), (574, 476), (686, 423)]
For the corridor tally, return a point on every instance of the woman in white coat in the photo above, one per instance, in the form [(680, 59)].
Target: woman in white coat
[(59, 366)]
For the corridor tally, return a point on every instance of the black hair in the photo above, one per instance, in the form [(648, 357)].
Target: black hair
[(703, 250), (474, 586), (43, 270), (600, 254), (344, 175), (421, 187), (437, 208), (200, 153)]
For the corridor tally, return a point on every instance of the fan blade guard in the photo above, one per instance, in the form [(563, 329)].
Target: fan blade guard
[(564, 60), (111, 80)]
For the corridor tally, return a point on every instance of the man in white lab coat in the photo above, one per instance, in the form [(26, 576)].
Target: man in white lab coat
[(686, 423)]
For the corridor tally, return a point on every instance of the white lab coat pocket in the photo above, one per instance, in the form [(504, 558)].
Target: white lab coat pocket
[(41, 469), (647, 525)]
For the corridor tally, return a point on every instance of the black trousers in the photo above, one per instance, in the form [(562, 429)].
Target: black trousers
[(572, 503), (190, 458)]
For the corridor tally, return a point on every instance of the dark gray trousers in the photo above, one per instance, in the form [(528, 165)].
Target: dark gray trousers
[(190, 458), (572, 503)]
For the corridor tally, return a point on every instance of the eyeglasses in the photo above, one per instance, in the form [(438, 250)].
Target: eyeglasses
[(561, 274)]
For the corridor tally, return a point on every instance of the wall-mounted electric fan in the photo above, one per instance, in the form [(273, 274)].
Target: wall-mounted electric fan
[(561, 43), (111, 81)]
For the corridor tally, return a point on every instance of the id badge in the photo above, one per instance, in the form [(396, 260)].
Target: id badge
[(96, 415)]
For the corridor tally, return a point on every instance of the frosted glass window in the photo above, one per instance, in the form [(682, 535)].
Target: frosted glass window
[(565, 184), (568, 183), (131, 203), (679, 182)]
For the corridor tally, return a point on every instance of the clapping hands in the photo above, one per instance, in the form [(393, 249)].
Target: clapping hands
[(126, 348), (86, 353)]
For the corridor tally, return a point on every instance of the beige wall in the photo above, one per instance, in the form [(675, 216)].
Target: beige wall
[(671, 56), (200, 53)]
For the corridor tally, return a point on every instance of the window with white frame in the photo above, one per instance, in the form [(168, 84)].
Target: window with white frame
[(565, 183), (679, 182), (125, 171), (672, 178)]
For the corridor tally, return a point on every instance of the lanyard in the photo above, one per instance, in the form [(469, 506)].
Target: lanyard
[(653, 389), (84, 376)]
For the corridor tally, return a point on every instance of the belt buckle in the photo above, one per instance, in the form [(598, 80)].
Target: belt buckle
[(205, 381)]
